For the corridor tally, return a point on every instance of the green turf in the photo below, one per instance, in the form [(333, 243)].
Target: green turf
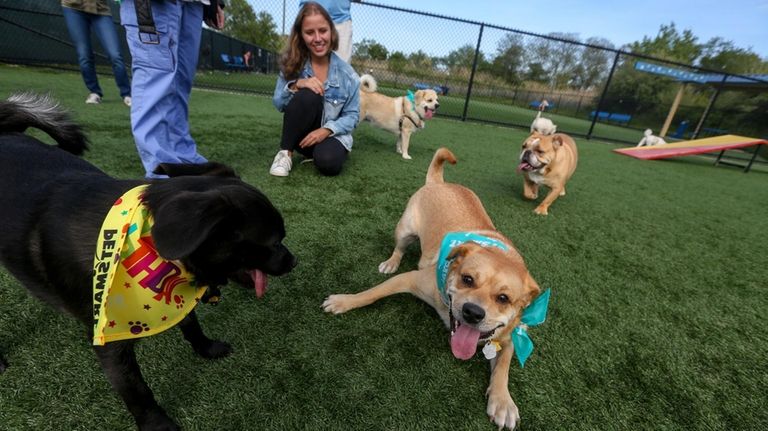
[(657, 268)]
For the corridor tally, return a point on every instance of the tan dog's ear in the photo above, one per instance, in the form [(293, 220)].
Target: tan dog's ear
[(460, 252), (532, 289), (557, 140)]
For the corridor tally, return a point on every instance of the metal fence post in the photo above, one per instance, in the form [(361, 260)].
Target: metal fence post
[(472, 75), (602, 96)]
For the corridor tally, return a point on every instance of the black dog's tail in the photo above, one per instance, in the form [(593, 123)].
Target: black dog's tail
[(24, 110)]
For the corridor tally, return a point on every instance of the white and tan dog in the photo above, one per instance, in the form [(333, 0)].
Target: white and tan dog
[(549, 160), (400, 115), (543, 125), (649, 139), (480, 287)]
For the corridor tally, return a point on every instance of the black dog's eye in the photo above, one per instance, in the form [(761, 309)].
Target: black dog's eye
[(502, 299), (468, 280)]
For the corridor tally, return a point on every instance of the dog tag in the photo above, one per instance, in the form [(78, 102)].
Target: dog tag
[(490, 349)]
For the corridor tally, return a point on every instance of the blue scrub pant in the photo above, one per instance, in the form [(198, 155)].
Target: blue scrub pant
[(162, 82)]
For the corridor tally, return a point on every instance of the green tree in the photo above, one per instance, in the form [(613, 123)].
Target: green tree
[(669, 44), (369, 49), (719, 54), (559, 59), (508, 63), (244, 24), (420, 60), (464, 58), (594, 64), (397, 62)]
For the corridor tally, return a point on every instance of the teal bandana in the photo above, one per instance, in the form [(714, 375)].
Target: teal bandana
[(534, 314), (412, 99)]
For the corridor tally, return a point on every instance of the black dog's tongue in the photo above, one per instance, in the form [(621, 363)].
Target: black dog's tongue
[(259, 282)]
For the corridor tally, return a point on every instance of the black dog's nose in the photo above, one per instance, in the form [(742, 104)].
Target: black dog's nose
[(472, 313)]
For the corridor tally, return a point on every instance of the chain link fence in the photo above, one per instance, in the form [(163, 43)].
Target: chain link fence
[(484, 72)]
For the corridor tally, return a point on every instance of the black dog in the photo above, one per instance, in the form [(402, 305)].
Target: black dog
[(52, 204)]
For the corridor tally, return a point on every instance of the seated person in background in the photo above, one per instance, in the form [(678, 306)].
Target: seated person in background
[(318, 93)]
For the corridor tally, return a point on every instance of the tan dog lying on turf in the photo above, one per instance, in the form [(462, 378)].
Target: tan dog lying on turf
[(549, 160), (482, 287), (400, 115)]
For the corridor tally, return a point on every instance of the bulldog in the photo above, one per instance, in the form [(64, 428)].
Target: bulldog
[(549, 160), (470, 273)]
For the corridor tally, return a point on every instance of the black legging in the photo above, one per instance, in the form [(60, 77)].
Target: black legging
[(303, 114)]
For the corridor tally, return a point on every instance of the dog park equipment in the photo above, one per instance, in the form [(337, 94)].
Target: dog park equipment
[(719, 81), (698, 146)]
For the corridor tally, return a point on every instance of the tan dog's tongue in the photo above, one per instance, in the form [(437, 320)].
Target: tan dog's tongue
[(523, 166), (428, 114), (259, 282), (464, 342)]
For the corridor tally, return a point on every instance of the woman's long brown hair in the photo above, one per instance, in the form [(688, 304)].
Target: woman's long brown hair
[(297, 53)]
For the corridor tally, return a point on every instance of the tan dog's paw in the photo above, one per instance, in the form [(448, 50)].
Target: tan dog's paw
[(389, 266), (541, 210), (338, 304), (502, 410), (531, 196)]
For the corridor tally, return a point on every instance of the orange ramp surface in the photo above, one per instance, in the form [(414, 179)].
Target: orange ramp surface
[(687, 148)]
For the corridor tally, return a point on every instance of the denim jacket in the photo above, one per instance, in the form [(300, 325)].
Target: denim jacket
[(341, 109)]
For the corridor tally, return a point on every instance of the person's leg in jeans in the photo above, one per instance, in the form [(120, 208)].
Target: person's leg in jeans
[(104, 28), (79, 26)]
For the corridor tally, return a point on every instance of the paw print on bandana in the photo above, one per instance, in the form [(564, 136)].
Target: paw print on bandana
[(179, 301), (137, 327)]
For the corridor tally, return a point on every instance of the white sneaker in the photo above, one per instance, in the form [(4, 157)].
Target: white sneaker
[(281, 165), (127, 100), (93, 99)]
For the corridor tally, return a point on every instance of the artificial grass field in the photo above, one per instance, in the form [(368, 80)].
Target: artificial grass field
[(657, 269)]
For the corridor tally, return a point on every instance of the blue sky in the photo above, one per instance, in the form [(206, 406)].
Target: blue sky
[(744, 22)]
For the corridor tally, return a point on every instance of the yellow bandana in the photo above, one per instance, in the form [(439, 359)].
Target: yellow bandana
[(136, 293)]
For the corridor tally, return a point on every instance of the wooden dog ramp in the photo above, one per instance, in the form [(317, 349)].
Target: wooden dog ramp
[(698, 146)]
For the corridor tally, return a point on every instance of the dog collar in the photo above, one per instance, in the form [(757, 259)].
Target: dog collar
[(136, 293), (454, 239)]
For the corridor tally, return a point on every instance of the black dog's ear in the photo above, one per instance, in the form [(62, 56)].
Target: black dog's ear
[(185, 221), (213, 169)]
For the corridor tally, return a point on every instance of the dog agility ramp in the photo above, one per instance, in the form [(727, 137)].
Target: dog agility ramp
[(696, 146)]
